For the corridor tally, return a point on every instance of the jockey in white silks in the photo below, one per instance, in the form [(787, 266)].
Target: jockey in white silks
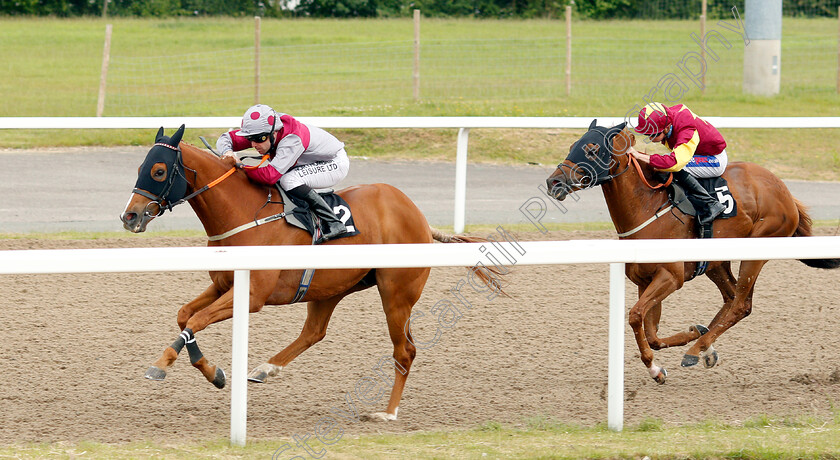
[(300, 158)]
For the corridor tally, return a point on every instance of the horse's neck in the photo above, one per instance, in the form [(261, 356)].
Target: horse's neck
[(226, 205), (629, 200)]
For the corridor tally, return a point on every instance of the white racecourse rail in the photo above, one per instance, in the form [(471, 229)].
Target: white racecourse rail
[(462, 123), (243, 259)]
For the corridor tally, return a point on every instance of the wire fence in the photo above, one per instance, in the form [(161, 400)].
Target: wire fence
[(610, 60)]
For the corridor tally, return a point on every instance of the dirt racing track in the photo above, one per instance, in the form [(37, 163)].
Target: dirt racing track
[(75, 348)]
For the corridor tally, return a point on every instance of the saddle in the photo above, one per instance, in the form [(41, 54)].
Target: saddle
[(299, 215), (718, 188)]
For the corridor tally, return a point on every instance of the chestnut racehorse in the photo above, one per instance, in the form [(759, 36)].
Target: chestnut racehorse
[(223, 199), (765, 208)]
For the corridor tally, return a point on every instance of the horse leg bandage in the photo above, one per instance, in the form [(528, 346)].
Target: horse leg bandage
[(185, 337), (195, 353)]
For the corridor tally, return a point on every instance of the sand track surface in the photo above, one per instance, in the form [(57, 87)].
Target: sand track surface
[(74, 349)]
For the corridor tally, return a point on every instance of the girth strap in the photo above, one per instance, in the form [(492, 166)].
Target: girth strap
[(306, 278), (253, 223), (644, 224)]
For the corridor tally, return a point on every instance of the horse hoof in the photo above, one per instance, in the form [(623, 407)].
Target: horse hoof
[(660, 377), (155, 373), (219, 381), (710, 358), (379, 417), (703, 330), (257, 376), (262, 372), (690, 360)]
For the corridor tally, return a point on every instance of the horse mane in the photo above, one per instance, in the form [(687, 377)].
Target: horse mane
[(209, 153), (624, 140)]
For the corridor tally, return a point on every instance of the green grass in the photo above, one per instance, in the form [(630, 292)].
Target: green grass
[(537, 438), (203, 67)]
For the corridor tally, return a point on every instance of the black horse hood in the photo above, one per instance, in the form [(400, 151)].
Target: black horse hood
[(593, 151), (173, 186)]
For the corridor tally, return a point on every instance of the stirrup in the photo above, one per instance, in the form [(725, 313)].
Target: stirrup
[(332, 235)]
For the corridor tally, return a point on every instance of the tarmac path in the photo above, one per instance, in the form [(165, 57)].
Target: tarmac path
[(86, 189)]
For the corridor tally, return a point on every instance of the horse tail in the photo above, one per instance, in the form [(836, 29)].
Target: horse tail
[(804, 229), (493, 279), (444, 237), (805, 222)]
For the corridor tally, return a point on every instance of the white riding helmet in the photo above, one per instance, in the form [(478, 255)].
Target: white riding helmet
[(258, 119)]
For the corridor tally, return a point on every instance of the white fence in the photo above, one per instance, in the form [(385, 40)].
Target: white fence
[(464, 124), (244, 259)]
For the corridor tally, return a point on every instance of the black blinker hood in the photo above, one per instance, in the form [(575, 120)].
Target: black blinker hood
[(592, 153), (165, 151)]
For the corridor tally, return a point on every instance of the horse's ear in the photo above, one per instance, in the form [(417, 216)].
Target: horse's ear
[(176, 138), (593, 124), (159, 134), (621, 126)]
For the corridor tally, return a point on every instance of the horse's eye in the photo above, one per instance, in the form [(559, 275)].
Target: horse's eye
[(158, 171)]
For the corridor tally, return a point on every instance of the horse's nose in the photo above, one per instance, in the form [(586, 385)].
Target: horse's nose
[(129, 220), (556, 187), (552, 182)]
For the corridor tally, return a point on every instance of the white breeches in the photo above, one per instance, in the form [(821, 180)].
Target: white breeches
[(321, 174), (703, 166)]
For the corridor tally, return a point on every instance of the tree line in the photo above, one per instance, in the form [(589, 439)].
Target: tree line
[(587, 9)]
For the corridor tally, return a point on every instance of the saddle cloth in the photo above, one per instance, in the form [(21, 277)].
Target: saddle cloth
[(717, 188), (299, 215)]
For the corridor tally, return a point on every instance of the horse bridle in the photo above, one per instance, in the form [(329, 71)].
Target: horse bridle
[(174, 175), (592, 153)]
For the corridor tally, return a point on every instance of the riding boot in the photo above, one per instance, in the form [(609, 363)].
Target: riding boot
[(707, 207), (330, 225)]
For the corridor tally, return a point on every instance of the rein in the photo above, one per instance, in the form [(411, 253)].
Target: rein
[(644, 179), (205, 188), (660, 212)]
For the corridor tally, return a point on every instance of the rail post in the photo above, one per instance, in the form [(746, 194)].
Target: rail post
[(615, 374), (461, 179), (239, 357)]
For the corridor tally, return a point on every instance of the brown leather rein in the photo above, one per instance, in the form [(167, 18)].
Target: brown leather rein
[(635, 163)]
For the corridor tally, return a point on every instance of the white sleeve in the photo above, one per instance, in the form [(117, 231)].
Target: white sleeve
[(224, 143), (289, 149)]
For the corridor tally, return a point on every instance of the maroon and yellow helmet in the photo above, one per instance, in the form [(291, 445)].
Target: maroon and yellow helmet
[(652, 119)]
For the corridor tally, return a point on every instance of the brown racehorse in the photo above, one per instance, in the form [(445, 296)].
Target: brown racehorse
[(224, 198), (765, 209)]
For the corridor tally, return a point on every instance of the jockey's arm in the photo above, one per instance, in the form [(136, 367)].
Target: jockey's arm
[(286, 155), (680, 156), (643, 157), (228, 143), (267, 175)]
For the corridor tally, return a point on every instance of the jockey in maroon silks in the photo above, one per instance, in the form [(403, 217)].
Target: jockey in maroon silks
[(300, 158), (697, 150)]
